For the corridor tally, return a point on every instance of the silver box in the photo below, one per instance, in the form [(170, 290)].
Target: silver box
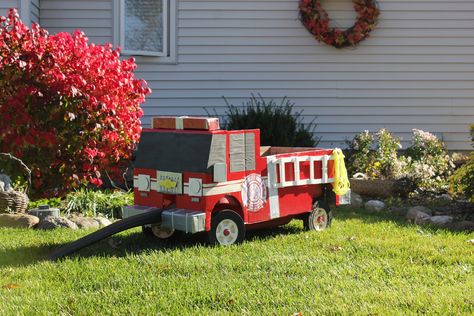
[(184, 220)]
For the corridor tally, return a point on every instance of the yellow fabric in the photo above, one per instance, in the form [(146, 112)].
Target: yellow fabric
[(341, 181)]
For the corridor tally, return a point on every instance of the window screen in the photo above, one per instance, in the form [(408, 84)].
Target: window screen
[(144, 25)]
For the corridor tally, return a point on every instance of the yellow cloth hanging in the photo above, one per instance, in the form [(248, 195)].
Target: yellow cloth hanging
[(341, 182)]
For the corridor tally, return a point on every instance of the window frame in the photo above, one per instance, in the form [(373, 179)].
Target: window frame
[(166, 34)]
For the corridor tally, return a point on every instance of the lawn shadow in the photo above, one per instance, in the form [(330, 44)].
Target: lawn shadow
[(24, 256), (123, 244)]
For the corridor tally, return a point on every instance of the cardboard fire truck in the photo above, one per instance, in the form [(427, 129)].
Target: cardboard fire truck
[(192, 177), (200, 178)]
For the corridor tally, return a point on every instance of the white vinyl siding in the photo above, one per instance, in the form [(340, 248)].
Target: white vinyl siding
[(8, 4), (93, 17), (416, 71), (35, 11)]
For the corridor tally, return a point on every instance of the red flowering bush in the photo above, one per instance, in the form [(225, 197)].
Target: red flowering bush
[(68, 108), (316, 20)]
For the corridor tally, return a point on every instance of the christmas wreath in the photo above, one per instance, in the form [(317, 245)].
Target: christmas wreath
[(316, 20)]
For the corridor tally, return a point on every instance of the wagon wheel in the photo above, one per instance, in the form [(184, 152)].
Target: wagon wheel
[(227, 228), (319, 218), (156, 231)]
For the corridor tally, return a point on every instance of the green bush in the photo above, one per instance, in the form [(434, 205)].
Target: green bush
[(279, 125), (52, 202), (461, 183), (92, 203), (472, 133)]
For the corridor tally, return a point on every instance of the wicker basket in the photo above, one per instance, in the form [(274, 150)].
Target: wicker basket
[(374, 188), (15, 201)]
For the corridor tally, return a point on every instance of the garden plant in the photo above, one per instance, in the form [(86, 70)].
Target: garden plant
[(70, 109), (462, 181), (426, 164), (279, 124)]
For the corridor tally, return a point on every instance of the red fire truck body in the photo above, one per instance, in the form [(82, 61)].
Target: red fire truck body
[(193, 175)]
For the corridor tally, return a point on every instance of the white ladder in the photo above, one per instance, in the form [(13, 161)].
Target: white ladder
[(296, 168)]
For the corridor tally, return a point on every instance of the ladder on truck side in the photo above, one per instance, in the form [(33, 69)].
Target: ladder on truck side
[(278, 165)]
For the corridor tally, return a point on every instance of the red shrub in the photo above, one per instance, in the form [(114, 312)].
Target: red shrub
[(70, 109)]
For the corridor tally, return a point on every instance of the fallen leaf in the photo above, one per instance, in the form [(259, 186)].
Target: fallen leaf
[(11, 286), (336, 248), (298, 314)]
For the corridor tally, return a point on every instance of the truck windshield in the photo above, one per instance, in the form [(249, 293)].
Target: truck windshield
[(175, 152)]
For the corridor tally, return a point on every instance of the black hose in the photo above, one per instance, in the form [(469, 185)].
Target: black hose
[(124, 224)]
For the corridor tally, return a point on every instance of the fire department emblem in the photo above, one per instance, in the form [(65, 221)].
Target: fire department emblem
[(254, 192)]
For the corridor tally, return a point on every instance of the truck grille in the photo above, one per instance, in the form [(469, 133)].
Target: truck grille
[(169, 182)]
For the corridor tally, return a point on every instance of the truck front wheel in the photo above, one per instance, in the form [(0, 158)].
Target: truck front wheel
[(227, 228), (319, 218)]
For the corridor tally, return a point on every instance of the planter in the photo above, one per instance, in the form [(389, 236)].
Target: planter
[(381, 188), (44, 211), (15, 201)]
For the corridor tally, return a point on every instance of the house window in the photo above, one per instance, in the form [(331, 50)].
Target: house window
[(144, 27)]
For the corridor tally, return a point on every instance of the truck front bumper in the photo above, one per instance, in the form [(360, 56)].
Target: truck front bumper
[(188, 221)]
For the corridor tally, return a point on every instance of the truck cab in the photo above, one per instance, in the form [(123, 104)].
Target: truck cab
[(205, 179)]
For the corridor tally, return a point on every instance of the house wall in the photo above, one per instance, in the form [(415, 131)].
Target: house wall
[(416, 71), (35, 11), (94, 17), (7, 4)]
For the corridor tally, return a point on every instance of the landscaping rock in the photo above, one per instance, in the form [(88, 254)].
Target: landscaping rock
[(412, 211), (84, 222), (462, 226), (374, 205), (418, 216), (102, 221), (399, 210), (441, 221), (51, 222), (18, 220), (356, 200)]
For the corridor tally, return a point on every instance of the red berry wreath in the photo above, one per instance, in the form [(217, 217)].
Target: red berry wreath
[(316, 20)]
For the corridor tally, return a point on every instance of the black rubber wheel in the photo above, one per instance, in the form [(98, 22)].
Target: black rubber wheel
[(319, 218), (227, 228)]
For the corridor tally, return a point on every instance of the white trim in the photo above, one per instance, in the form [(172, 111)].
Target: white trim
[(25, 13)]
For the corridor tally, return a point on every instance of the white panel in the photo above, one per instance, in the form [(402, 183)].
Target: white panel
[(274, 202)]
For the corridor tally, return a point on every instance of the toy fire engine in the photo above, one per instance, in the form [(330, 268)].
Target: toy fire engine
[(192, 177), (204, 179)]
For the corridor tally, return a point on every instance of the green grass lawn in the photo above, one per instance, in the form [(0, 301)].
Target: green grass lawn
[(364, 264)]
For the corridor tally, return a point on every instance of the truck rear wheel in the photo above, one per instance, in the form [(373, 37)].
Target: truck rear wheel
[(156, 231), (319, 218), (227, 228)]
